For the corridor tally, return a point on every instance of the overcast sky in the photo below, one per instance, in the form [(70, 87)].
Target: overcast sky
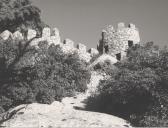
[(83, 20)]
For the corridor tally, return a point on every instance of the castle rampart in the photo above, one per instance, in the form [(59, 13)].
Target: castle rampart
[(52, 37), (114, 41)]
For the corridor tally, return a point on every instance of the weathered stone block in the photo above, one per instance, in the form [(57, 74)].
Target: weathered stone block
[(68, 46), (121, 25), (56, 37), (123, 55), (6, 34), (133, 35), (18, 35), (93, 51), (69, 43), (103, 34), (35, 42), (81, 48), (84, 56), (131, 26), (56, 32), (46, 32), (31, 34), (53, 40)]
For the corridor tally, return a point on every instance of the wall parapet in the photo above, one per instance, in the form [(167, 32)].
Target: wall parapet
[(52, 37), (114, 41)]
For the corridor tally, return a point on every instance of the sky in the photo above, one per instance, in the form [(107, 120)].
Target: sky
[(83, 20)]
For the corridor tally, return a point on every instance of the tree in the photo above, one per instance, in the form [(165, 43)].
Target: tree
[(34, 75), (38, 75), (15, 73), (19, 15)]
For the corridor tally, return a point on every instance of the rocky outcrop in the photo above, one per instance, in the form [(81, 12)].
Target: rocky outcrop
[(70, 112), (58, 115)]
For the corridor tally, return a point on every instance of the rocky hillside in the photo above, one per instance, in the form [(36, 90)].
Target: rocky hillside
[(68, 113)]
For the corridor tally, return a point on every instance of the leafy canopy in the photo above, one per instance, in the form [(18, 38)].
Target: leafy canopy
[(19, 15)]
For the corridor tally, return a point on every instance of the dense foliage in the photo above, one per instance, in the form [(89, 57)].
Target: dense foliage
[(38, 75), (19, 15), (61, 72), (31, 75), (138, 89)]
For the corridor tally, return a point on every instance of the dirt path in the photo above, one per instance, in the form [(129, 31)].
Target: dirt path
[(78, 101)]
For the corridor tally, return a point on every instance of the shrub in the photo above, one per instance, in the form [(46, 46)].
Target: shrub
[(62, 72), (50, 75), (15, 75), (138, 90), (30, 75), (105, 67), (45, 96), (125, 94)]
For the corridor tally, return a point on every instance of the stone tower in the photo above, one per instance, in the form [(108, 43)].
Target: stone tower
[(116, 42)]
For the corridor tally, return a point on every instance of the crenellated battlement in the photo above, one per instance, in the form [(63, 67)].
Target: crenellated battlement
[(122, 32), (52, 37), (116, 41)]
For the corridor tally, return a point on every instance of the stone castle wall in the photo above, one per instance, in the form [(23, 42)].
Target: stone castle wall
[(115, 42), (52, 37)]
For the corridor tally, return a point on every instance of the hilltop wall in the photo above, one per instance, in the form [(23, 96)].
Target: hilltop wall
[(52, 37), (114, 42)]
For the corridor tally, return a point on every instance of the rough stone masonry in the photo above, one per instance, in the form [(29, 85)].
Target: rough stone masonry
[(52, 37), (116, 42), (113, 42)]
